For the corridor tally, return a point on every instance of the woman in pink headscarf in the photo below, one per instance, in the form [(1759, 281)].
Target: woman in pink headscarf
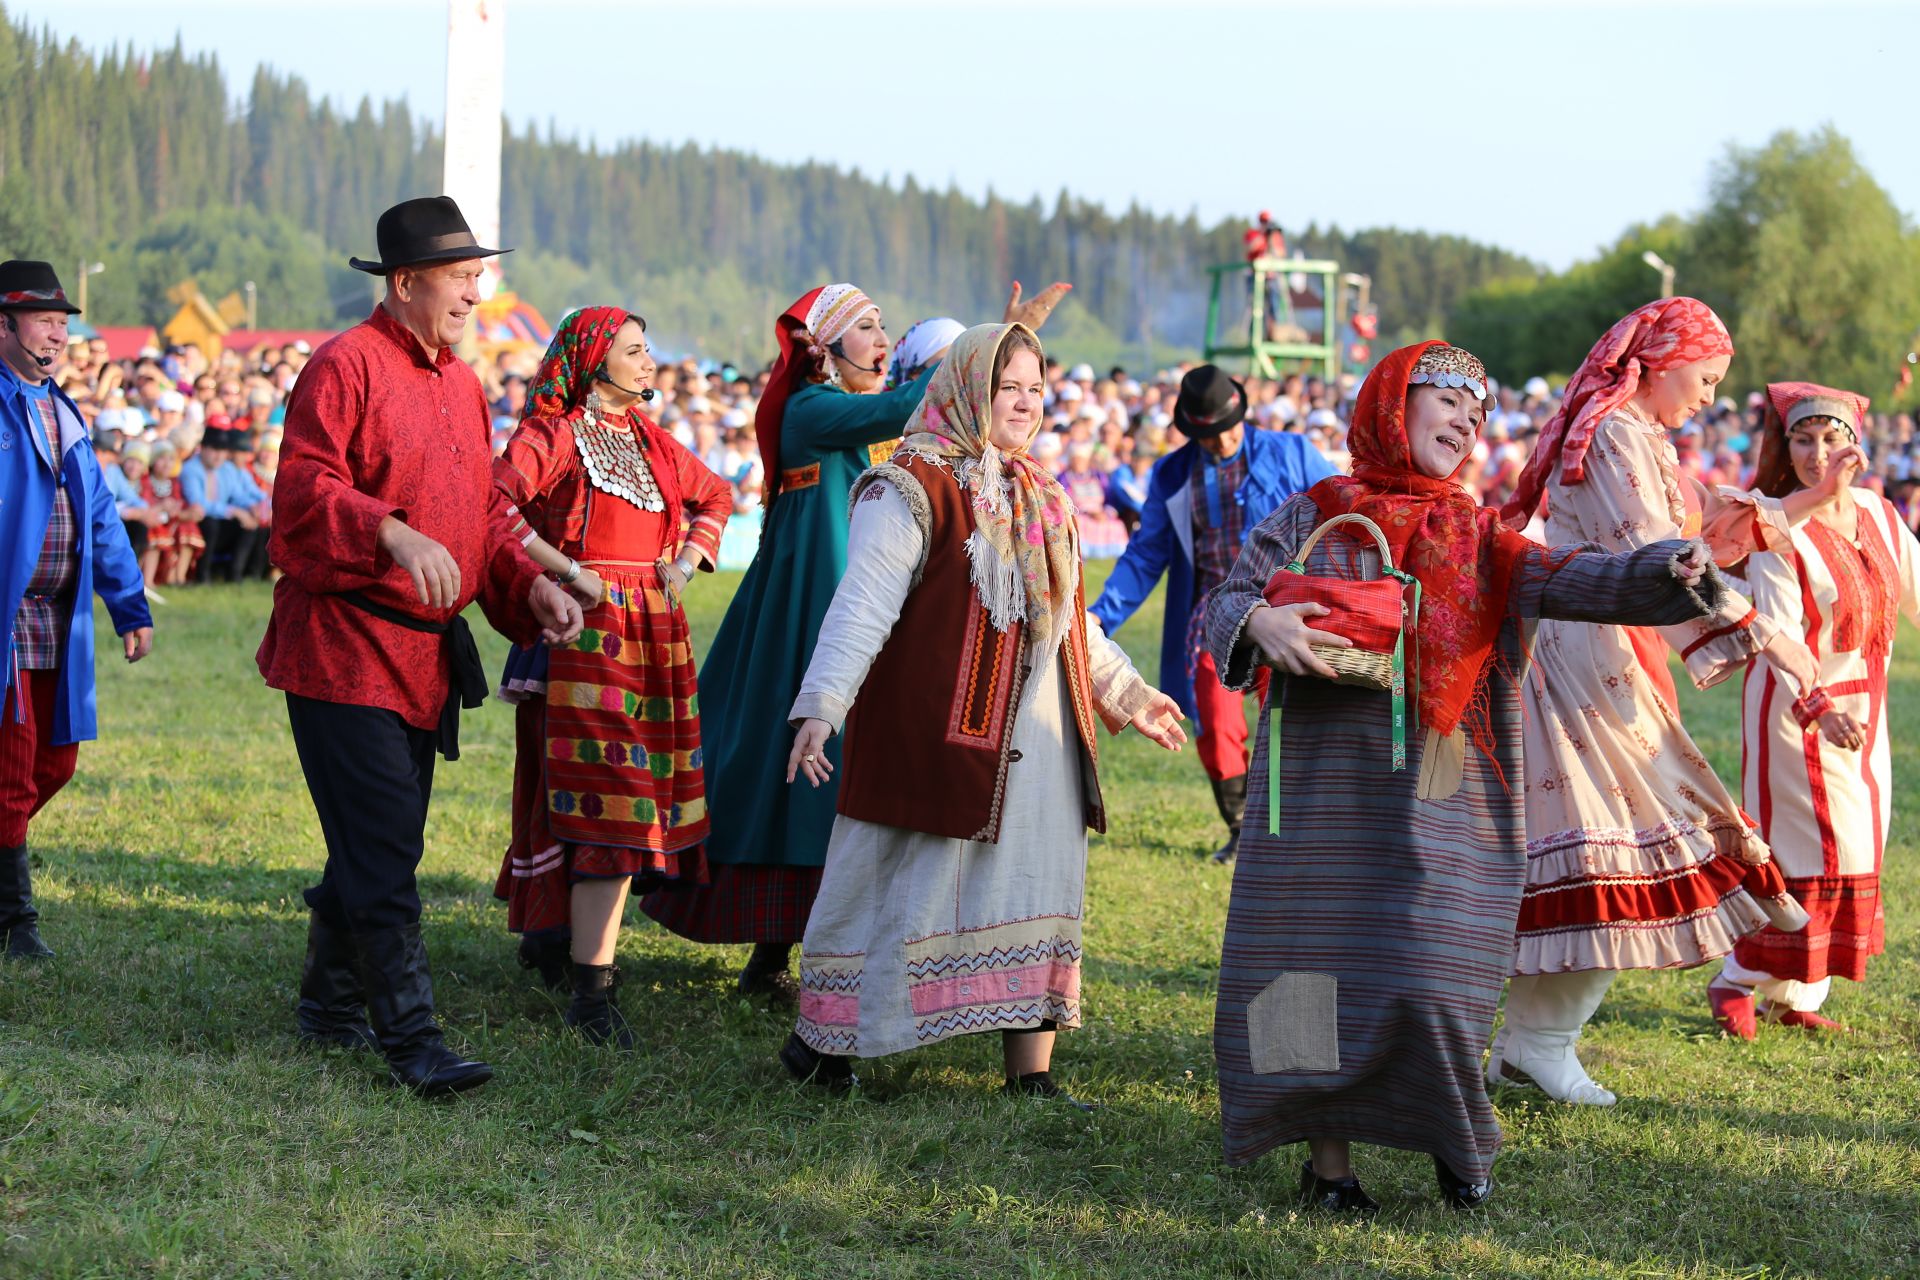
[(1637, 855)]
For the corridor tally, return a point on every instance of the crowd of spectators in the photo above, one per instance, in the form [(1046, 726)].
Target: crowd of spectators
[(190, 445)]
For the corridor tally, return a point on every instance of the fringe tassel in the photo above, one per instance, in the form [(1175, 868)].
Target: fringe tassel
[(998, 583)]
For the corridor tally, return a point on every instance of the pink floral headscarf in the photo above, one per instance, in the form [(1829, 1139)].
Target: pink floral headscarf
[(1661, 335)]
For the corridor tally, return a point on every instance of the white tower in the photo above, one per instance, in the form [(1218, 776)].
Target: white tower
[(476, 74)]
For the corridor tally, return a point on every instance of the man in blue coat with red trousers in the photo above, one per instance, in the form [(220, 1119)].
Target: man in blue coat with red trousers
[(1203, 499), (61, 542)]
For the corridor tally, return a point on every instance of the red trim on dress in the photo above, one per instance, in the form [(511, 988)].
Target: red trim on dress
[(1717, 632)]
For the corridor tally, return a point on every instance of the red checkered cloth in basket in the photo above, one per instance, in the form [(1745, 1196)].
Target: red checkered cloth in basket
[(1367, 613)]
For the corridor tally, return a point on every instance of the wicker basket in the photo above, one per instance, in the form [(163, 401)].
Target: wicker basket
[(1359, 667), (1356, 667)]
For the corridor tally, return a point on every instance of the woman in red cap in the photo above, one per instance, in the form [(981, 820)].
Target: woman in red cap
[(1817, 769)]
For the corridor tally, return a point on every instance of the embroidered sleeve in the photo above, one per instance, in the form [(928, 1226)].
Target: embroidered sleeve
[(884, 544), (708, 502), (538, 456)]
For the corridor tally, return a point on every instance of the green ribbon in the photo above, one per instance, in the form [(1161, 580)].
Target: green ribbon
[(1273, 769)]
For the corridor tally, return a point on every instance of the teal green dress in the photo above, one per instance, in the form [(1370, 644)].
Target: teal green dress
[(769, 837)]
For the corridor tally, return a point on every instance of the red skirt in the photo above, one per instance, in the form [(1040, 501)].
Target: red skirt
[(608, 777), (1847, 925)]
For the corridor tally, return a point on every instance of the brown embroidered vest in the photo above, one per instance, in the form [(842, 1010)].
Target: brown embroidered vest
[(929, 740)]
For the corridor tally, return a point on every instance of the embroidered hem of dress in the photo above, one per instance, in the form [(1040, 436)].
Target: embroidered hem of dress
[(1674, 845), (1641, 944)]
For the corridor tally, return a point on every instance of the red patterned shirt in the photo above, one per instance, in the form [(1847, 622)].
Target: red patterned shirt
[(376, 428), (46, 611)]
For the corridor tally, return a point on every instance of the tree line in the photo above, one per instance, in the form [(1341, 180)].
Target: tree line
[(144, 161), (1808, 260)]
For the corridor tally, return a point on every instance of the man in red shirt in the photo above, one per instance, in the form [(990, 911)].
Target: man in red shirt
[(387, 526)]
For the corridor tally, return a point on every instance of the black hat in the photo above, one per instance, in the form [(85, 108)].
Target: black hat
[(430, 229), (1210, 403), (32, 286)]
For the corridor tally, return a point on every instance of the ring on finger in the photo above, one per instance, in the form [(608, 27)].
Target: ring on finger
[(810, 758)]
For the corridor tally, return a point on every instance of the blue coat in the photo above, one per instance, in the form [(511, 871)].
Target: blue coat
[(106, 560), (1279, 465)]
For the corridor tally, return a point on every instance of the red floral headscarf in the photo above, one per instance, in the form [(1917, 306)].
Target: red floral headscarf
[(1461, 552), (1661, 335), (560, 386)]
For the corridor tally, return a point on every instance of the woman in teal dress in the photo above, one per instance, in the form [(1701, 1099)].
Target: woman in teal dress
[(821, 422)]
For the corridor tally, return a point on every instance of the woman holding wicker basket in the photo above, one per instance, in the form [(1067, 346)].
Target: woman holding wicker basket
[(1380, 873)]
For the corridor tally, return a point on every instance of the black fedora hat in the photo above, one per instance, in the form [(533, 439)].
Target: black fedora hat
[(1210, 403), (26, 285), (430, 229)]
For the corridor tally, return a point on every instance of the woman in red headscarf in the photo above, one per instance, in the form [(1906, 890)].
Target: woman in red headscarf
[(1817, 769), (609, 789), (1371, 923), (1637, 855)]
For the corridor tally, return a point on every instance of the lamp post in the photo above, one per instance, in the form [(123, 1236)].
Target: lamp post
[(88, 269), (1665, 269), (253, 308)]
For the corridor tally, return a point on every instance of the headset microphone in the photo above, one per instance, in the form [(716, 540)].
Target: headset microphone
[(13, 327), (840, 350), (645, 395)]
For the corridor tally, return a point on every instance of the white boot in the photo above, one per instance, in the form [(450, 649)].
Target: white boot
[(1544, 1015)]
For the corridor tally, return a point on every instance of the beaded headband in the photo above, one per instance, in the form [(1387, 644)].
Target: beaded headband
[(1445, 366), (1824, 407)]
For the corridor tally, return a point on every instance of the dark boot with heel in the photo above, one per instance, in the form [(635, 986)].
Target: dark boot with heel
[(1230, 797), (550, 955), (592, 1011), (19, 922), (392, 964), (333, 1008), (766, 974)]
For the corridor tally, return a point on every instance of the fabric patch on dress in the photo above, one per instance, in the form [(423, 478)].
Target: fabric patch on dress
[(1294, 1024)]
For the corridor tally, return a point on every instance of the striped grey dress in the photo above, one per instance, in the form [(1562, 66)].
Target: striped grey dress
[(1367, 942)]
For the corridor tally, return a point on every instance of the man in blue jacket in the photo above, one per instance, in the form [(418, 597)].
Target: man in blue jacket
[(1203, 499), (61, 540)]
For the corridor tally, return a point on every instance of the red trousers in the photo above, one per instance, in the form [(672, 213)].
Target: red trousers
[(1223, 719), (32, 769)]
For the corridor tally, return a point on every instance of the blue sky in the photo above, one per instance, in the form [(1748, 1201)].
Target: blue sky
[(1545, 128)]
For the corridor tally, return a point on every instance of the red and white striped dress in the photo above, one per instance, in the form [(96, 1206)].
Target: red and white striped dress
[(1825, 810)]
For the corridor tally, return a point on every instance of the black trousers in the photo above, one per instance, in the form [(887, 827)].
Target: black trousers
[(371, 776), (229, 548)]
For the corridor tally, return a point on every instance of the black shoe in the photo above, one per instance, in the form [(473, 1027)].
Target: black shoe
[(1230, 797), (766, 974), (333, 1009), (779, 986), (19, 922), (1457, 1191), (392, 964), (810, 1066), (1039, 1084), (592, 1012), (1334, 1195), (551, 955)]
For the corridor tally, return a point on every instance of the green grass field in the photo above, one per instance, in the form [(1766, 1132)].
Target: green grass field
[(157, 1118)]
